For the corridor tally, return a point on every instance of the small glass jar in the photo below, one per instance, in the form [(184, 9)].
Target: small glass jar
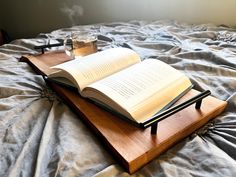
[(80, 43)]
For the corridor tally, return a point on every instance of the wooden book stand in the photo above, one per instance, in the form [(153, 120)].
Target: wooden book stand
[(132, 146)]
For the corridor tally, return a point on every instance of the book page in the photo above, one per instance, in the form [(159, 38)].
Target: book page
[(88, 69), (144, 88)]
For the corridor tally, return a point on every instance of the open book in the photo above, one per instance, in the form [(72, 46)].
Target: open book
[(118, 80)]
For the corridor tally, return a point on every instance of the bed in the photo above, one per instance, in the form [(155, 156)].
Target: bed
[(41, 136)]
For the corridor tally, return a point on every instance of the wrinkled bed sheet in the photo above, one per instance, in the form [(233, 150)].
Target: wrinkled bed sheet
[(40, 136)]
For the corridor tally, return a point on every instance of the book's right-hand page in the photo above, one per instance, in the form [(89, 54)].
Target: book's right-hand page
[(141, 90)]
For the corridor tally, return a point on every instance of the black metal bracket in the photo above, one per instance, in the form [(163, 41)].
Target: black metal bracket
[(43, 47), (153, 121)]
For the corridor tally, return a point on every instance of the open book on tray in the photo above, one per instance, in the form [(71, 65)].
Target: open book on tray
[(118, 80)]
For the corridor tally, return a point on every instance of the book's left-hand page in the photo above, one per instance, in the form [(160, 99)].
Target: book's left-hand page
[(91, 68)]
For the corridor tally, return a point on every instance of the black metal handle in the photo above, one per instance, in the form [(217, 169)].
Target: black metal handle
[(153, 121), (42, 47)]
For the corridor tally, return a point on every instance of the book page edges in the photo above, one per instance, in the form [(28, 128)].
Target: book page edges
[(105, 101), (64, 77)]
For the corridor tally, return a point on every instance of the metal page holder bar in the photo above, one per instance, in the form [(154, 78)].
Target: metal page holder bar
[(42, 47), (153, 121)]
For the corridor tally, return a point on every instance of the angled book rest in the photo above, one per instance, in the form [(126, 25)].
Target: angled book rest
[(134, 146)]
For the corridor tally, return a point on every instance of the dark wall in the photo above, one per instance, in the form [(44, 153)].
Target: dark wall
[(27, 18)]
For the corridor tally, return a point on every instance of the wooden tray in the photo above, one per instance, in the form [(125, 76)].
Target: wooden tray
[(132, 146)]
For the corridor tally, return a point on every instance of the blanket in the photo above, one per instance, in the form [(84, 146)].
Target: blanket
[(41, 136)]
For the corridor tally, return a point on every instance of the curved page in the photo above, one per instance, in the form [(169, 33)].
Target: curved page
[(94, 67)]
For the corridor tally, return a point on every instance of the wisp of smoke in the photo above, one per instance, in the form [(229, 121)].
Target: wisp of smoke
[(73, 12)]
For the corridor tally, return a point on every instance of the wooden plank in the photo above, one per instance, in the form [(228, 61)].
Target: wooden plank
[(133, 147), (41, 63)]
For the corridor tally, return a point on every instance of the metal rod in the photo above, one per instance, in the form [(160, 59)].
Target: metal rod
[(48, 46), (174, 109), (154, 128)]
